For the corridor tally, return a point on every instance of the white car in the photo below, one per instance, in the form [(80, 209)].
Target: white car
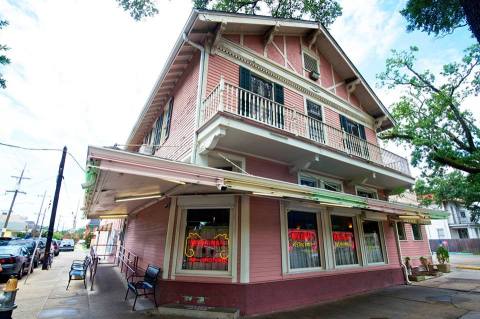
[(67, 245)]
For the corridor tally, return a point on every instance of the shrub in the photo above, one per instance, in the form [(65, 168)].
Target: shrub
[(442, 255)]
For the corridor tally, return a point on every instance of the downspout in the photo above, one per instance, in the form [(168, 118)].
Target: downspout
[(193, 158), (400, 257)]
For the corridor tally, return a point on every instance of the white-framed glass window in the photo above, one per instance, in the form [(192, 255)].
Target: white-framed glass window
[(320, 182), (366, 192), (344, 240), (440, 233), (206, 240), (373, 242), (402, 235), (417, 231), (303, 240)]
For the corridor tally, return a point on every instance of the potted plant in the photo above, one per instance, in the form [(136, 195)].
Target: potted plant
[(443, 258)]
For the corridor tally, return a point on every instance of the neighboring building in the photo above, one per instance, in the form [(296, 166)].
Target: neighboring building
[(254, 177), (458, 225)]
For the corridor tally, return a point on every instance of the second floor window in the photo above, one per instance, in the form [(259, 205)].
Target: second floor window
[(310, 63), (402, 235), (352, 127), (368, 193), (417, 232), (320, 182)]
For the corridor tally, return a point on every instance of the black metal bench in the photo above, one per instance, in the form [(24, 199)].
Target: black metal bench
[(78, 271), (148, 284)]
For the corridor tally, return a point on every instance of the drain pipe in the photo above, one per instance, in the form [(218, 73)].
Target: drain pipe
[(193, 158), (400, 257)]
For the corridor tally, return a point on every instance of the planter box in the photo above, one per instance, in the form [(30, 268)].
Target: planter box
[(443, 267)]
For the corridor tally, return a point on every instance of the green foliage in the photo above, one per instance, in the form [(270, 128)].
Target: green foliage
[(442, 255), (4, 60), (434, 16), (88, 239), (324, 11), (444, 137), (139, 9)]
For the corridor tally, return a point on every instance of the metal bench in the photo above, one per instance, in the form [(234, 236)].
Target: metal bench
[(148, 284), (78, 271)]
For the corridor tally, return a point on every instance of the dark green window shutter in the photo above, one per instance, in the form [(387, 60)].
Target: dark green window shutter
[(158, 130), (278, 93), (361, 130), (343, 123), (169, 118), (245, 78)]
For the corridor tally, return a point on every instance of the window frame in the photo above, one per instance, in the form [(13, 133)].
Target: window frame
[(356, 233), (320, 180), (320, 238), (382, 243), (404, 231), (366, 190), (208, 203), (264, 79), (166, 114), (413, 233)]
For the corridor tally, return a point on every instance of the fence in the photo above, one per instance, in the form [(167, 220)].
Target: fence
[(457, 245), (231, 99)]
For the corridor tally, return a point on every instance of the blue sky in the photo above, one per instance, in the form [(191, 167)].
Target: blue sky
[(82, 70)]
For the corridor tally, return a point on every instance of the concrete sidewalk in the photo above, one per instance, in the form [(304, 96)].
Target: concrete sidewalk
[(44, 296)]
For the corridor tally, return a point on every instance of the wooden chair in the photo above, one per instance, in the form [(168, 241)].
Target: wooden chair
[(148, 284)]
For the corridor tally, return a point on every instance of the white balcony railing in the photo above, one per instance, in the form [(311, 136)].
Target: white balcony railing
[(231, 99)]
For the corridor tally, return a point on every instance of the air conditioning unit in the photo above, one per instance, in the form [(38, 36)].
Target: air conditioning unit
[(146, 149)]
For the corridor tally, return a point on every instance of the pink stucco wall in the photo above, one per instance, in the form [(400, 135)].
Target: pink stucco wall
[(218, 67), (146, 233), (265, 249), (415, 248), (180, 140), (264, 168)]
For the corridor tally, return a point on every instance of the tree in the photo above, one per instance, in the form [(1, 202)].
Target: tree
[(3, 58), (324, 11), (432, 120), (442, 17)]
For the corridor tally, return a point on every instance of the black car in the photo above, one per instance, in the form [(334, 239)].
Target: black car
[(30, 245), (14, 260)]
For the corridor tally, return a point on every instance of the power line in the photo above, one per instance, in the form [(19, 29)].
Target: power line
[(43, 149)]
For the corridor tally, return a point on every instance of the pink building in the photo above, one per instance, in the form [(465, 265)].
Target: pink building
[(254, 177)]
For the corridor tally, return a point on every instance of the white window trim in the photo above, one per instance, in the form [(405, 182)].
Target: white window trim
[(366, 189), (404, 231), (382, 243), (311, 55), (232, 258), (320, 180), (421, 233), (284, 210)]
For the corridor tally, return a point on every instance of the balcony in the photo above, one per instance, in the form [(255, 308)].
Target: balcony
[(230, 99)]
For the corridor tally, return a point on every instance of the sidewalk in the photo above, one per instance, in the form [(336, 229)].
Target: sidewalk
[(44, 296)]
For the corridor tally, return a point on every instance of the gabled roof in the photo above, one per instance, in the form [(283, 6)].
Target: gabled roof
[(202, 24)]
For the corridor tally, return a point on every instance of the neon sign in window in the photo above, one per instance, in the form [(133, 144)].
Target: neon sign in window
[(344, 240), (207, 243), (303, 247)]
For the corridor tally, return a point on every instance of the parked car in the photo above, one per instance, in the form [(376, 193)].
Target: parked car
[(55, 247), (30, 245), (14, 260), (41, 247), (67, 245)]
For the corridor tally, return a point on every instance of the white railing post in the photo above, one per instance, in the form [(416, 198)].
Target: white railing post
[(222, 90)]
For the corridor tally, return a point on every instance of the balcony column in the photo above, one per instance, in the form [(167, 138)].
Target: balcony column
[(221, 107)]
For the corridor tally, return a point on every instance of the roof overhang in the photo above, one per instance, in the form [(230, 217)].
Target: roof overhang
[(121, 183), (201, 26)]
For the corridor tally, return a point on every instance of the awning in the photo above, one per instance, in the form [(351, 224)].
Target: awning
[(120, 183)]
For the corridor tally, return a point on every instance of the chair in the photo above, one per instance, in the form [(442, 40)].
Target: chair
[(78, 271), (149, 282)]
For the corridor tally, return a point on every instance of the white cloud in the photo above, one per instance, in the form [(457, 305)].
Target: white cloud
[(366, 29), (80, 74)]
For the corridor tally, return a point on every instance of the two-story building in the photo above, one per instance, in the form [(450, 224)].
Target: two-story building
[(253, 175)]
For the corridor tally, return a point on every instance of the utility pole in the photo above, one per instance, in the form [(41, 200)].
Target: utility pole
[(39, 213), (43, 218), (15, 192), (54, 209), (75, 217), (58, 223)]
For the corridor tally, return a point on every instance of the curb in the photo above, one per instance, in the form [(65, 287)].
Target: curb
[(467, 267)]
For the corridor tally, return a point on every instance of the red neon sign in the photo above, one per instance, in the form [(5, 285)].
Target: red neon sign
[(343, 239), (216, 248), (302, 239), (208, 260)]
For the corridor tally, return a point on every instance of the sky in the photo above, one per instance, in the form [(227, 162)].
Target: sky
[(82, 70)]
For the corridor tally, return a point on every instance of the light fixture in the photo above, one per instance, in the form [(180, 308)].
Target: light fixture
[(118, 216), (138, 197)]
